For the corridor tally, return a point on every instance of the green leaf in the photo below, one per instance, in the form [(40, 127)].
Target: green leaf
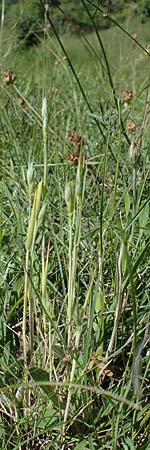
[(4, 360), (41, 378), (130, 444), (47, 417), (124, 261), (144, 218), (98, 303), (82, 445), (2, 428), (18, 284)]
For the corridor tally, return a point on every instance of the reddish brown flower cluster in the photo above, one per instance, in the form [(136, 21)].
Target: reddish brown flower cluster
[(77, 141), (9, 77), (130, 126), (73, 157), (127, 95)]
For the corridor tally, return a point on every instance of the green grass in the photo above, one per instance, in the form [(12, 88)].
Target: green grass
[(74, 245)]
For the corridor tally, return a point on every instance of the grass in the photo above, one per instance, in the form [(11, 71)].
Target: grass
[(74, 237)]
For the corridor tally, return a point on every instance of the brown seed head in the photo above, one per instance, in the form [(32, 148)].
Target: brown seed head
[(127, 95)]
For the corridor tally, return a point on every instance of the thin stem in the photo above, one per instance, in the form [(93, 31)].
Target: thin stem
[(107, 67)]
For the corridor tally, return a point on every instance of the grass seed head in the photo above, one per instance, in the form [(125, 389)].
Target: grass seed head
[(69, 197), (133, 150), (44, 114)]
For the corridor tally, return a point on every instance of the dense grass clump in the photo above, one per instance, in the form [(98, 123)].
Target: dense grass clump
[(74, 241)]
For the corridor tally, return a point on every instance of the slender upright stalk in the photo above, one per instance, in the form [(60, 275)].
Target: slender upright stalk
[(45, 137), (24, 326), (25, 309), (70, 286)]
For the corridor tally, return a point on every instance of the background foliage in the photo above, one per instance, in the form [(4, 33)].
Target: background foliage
[(27, 16)]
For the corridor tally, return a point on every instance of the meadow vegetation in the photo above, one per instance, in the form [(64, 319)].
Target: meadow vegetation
[(74, 239)]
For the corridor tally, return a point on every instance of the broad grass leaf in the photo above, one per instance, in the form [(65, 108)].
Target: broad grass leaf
[(40, 377), (47, 417), (82, 445), (18, 284), (2, 329), (98, 303)]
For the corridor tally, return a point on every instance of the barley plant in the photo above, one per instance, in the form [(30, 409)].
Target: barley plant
[(74, 235)]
